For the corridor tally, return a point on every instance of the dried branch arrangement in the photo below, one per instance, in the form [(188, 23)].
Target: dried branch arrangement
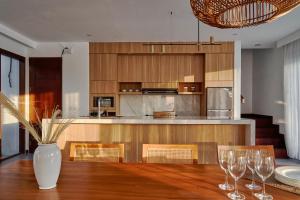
[(51, 132)]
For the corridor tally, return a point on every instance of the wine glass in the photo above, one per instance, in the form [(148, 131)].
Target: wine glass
[(237, 164), (223, 162), (251, 155), (264, 167)]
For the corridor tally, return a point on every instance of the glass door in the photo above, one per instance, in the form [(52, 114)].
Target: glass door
[(10, 87)]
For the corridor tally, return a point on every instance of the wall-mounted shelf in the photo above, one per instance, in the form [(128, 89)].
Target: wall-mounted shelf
[(190, 88)]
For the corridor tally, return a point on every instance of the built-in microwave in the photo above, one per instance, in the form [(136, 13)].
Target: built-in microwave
[(105, 101)]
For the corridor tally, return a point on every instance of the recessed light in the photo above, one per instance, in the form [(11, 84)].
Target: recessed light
[(89, 35), (234, 34)]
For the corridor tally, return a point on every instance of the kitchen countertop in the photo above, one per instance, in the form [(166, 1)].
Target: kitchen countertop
[(151, 120), (179, 120)]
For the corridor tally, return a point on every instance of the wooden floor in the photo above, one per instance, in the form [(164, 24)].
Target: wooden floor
[(121, 181)]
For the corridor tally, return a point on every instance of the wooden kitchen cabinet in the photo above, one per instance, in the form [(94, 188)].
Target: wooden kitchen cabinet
[(211, 67), (103, 87), (190, 68), (103, 67), (130, 68), (168, 69), (219, 67), (151, 66), (225, 67)]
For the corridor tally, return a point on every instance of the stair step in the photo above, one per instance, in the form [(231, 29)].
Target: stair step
[(276, 142), (280, 153), (260, 120), (267, 131), (264, 122)]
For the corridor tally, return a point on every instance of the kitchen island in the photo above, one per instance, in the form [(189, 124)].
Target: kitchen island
[(136, 131)]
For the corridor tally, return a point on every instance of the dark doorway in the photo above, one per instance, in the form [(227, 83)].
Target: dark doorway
[(45, 88)]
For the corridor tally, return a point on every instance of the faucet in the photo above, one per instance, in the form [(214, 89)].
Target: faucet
[(99, 107)]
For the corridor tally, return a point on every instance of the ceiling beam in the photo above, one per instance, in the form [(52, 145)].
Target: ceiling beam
[(288, 39), (17, 37)]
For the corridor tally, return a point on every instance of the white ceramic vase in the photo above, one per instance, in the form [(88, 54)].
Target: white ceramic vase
[(46, 165)]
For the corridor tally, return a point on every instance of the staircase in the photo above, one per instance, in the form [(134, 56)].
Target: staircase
[(267, 133)]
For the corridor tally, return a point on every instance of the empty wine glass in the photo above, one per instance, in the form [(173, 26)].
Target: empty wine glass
[(251, 155), (264, 167), (223, 162), (237, 163)]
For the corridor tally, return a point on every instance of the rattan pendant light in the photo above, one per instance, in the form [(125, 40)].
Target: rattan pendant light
[(240, 13)]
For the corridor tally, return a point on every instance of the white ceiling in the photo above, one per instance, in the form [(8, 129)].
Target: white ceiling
[(129, 20)]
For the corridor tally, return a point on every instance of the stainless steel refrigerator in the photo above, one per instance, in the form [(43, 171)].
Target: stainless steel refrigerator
[(219, 102)]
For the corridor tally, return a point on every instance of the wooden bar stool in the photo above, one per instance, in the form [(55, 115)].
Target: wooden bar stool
[(170, 153), (96, 152)]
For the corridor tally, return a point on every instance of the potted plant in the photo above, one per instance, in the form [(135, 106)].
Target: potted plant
[(47, 156)]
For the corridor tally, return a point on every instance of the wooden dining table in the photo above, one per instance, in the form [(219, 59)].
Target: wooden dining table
[(88, 181)]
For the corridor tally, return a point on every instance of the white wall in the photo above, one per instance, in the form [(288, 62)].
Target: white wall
[(75, 86), (12, 46), (268, 83), (237, 79), (246, 83)]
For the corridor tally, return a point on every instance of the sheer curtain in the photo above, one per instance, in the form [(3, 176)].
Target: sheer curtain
[(292, 98)]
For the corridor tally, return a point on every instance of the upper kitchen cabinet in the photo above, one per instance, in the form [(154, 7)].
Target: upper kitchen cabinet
[(190, 68), (130, 68), (168, 68), (211, 67), (225, 67), (103, 67), (219, 67), (151, 66), (103, 87)]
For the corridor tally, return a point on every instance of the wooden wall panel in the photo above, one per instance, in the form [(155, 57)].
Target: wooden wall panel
[(219, 67), (211, 67), (141, 47), (103, 87), (225, 67), (151, 68), (133, 136), (169, 68), (103, 67), (130, 68), (191, 68)]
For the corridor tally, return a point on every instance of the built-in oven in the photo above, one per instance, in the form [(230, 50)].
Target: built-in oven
[(107, 105), (105, 101)]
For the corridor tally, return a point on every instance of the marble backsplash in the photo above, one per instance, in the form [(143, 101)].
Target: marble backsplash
[(141, 105)]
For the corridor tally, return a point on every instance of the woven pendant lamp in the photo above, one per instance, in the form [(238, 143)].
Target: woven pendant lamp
[(240, 13)]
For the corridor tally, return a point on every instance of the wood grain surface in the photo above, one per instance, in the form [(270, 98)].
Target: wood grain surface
[(122, 181), (134, 136)]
